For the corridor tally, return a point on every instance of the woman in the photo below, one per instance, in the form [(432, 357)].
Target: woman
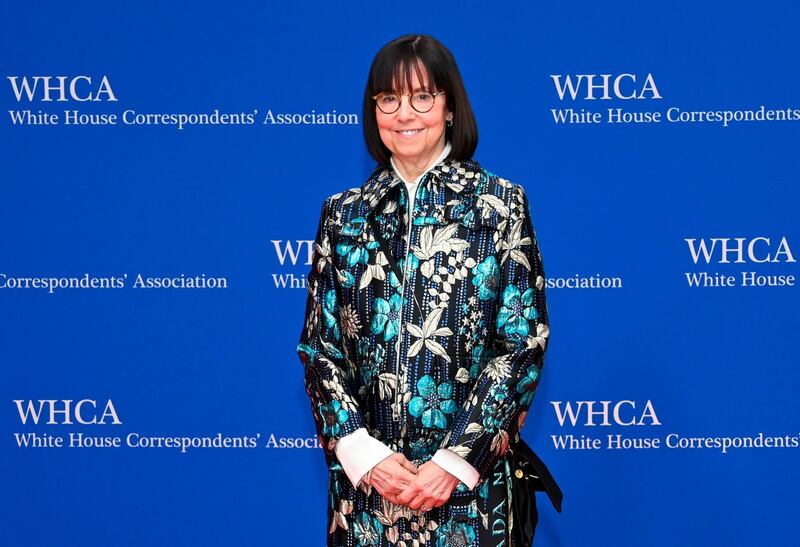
[(426, 322)]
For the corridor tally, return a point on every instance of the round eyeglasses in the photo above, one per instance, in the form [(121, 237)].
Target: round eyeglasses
[(421, 101)]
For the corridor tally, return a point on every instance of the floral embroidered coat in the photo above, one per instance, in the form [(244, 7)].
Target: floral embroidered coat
[(432, 342)]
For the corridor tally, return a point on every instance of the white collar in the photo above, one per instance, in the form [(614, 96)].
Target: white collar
[(433, 164)]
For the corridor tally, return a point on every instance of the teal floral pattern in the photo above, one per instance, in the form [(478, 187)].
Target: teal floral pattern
[(329, 311), (487, 276), (333, 416), (428, 328), (455, 533), (433, 402), (355, 246), (386, 320), (368, 529), (517, 310), (495, 408)]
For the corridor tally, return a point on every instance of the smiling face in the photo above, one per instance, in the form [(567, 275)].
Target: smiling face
[(412, 137)]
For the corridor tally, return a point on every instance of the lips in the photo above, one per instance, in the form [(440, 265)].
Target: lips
[(409, 132)]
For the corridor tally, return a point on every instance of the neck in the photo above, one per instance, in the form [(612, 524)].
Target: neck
[(411, 169)]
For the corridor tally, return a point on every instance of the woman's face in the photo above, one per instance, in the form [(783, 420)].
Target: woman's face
[(426, 134)]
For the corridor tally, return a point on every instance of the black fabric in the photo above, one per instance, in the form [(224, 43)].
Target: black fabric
[(529, 474)]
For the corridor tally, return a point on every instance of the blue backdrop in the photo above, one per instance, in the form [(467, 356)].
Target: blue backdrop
[(657, 145)]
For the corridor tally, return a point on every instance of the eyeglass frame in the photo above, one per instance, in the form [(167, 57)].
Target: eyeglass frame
[(409, 95)]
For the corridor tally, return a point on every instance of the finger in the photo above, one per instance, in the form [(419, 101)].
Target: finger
[(419, 500), (395, 490), (401, 460), (392, 494), (407, 495), (410, 466), (404, 496), (433, 503)]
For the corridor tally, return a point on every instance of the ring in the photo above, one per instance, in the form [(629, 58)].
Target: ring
[(426, 508)]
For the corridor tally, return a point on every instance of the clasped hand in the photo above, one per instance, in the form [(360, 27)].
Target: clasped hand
[(401, 482)]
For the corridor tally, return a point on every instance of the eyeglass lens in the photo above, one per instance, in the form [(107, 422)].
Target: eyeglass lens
[(421, 101)]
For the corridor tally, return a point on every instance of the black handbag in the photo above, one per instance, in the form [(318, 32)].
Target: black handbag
[(529, 474)]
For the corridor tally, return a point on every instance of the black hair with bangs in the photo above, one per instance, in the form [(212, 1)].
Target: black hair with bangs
[(394, 63)]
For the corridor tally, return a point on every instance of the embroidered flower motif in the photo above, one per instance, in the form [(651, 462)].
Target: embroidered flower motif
[(351, 325), (433, 402), (356, 244), (333, 416), (487, 278), (427, 333), (322, 253), (516, 311), (423, 448), (455, 533), (339, 519), (513, 245), (372, 365), (480, 356), (367, 529), (497, 407), (387, 316)]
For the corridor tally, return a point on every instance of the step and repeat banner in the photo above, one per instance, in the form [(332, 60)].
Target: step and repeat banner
[(164, 166)]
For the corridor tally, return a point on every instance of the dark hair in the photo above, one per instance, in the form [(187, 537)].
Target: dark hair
[(394, 63)]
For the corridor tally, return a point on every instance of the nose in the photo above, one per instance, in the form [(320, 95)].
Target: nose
[(405, 112)]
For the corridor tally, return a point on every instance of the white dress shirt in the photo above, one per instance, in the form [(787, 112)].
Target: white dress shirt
[(359, 452)]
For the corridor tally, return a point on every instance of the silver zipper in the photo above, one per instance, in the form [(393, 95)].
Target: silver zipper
[(399, 397)]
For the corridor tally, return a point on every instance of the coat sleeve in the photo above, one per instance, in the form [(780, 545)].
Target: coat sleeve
[(497, 404), (328, 372)]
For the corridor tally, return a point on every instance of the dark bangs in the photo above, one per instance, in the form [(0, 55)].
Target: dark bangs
[(396, 63), (400, 68)]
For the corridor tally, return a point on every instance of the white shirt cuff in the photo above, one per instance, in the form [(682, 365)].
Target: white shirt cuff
[(456, 466), (358, 452)]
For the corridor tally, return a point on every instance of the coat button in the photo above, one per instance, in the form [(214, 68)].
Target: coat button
[(519, 473)]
